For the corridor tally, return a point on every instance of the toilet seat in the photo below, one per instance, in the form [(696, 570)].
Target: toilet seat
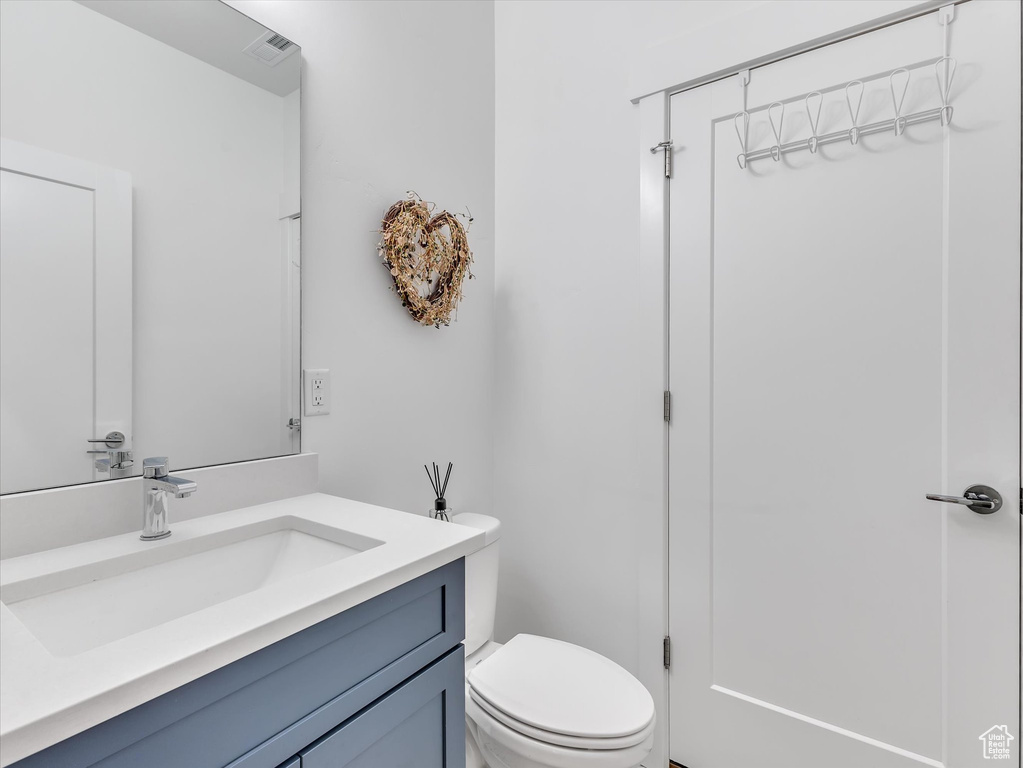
[(561, 694), (559, 739), (505, 747)]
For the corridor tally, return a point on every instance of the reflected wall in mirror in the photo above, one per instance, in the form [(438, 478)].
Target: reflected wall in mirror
[(149, 238)]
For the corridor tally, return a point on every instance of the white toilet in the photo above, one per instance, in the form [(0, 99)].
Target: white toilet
[(541, 703)]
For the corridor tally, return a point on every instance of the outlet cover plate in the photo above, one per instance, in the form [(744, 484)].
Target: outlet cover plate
[(316, 391)]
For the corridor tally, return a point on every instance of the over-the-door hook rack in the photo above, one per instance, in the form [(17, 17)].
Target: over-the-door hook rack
[(743, 134), (776, 149), (900, 121), (814, 118), (854, 113), (944, 71), (898, 85)]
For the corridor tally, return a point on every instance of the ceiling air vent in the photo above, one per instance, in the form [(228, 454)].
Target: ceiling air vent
[(270, 48)]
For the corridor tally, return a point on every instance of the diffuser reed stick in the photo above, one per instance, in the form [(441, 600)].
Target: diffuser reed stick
[(440, 504)]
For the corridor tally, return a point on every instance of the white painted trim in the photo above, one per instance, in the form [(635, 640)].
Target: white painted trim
[(44, 164), (114, 310), (291, 323), (653, 432), (772, 31), (766, 33)]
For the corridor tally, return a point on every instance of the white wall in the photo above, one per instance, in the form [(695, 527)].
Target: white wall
[(207, 274), (567, 317), (564, 406), (396, 96)]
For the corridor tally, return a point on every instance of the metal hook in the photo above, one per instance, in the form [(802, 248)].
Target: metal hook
[(743, 135), (814, 121), (854, 114), (776, 149), (945, 87), (900, 121)]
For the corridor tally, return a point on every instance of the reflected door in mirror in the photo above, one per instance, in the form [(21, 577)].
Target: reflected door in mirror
[(65, 315)]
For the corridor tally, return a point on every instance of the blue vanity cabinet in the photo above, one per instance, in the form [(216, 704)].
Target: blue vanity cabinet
[(381, 684)]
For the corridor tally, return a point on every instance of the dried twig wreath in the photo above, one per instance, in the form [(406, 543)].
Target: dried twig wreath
[(426, 264)]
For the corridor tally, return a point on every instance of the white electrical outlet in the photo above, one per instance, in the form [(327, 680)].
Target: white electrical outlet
[(316, 391)]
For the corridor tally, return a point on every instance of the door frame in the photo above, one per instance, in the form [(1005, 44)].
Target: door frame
[(291, 322), (113, 291), (760, 36)]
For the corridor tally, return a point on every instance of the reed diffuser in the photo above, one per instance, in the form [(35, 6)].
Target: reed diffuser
[(440, 505)]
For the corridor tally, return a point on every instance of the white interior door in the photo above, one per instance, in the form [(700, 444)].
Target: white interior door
[(844, 339), (65, 315)]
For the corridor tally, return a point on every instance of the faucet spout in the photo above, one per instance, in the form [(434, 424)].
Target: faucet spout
[(178, 487), (157, 488)]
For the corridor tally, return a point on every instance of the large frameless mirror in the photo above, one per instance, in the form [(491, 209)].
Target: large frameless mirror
[(149, 239)]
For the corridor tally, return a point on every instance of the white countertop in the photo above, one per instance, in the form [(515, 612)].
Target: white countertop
[(45, 698)]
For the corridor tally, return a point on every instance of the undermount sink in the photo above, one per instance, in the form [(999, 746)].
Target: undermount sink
[(78, 609)]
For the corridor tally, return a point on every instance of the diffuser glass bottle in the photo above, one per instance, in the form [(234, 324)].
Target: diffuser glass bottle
[(440, 509)]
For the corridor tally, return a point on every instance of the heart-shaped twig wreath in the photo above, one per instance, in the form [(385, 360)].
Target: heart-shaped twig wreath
[(427, 265)]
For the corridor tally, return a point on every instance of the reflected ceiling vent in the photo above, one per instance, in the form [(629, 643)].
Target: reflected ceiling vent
[(270, 48)]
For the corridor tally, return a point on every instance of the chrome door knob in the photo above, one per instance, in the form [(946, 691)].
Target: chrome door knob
[(982, 499)]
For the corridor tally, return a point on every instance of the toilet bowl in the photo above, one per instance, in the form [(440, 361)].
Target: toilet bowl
[(537, 702)]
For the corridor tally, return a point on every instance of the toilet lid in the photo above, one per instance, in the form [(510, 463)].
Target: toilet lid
[(476, 707), (562, 688)]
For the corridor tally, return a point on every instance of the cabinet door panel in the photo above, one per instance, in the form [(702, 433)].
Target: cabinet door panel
[(421, 724)]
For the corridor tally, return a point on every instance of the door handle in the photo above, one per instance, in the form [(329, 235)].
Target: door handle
[(112, 441), (982, 499)]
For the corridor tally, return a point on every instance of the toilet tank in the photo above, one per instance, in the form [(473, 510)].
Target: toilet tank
[(480, 581)]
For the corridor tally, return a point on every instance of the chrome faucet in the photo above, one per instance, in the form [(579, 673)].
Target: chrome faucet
[(118, 461), (157, 486)]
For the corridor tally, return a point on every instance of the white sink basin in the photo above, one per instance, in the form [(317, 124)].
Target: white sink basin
[(82, 608)]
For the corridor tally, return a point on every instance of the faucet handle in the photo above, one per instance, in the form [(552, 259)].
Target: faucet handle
[(155, 466)]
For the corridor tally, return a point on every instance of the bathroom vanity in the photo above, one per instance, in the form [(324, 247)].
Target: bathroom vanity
[(314, 631)]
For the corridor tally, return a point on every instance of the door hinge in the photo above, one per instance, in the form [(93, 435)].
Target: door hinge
[(667, 405), (664, 146), (667, 652)]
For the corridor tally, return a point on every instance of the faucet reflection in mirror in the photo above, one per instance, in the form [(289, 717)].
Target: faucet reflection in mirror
[(157, 487), (118, 461)]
